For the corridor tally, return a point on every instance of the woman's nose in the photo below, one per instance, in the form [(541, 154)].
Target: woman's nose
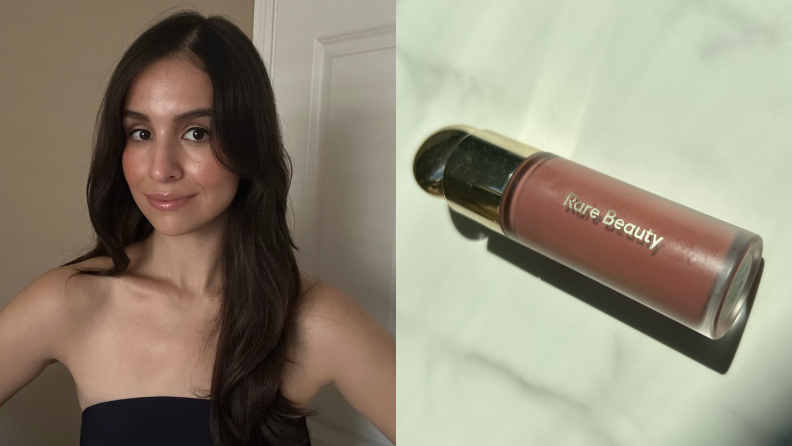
[(165, 159)]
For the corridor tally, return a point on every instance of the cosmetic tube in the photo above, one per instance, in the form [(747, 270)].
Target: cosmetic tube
[(689, 266)]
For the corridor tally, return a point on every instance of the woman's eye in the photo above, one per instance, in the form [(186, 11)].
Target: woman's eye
[(198, 133), (144, 134)]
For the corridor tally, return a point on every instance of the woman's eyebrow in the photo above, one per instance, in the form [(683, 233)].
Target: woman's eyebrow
[(197, 113)]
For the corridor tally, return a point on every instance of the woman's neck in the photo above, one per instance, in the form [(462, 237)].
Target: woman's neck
[(189, 262)]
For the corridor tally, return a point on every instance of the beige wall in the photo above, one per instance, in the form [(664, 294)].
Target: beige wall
[(55, 60)]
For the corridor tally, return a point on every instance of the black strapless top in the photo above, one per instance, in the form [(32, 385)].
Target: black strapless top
[(150, 421)]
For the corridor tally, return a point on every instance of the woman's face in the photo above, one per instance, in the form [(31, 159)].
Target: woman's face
[(168, 163)]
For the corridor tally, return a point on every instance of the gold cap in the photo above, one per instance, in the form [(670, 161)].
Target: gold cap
[(471, 168)]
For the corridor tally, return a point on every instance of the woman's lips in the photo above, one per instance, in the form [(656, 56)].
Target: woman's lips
[(169, 204)]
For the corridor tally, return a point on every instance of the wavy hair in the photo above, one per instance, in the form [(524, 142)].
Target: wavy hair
[(261, 279)]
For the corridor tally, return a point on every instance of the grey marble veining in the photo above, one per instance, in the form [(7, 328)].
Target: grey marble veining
[(690, 100)]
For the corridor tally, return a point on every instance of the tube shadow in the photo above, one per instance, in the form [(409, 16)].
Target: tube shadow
[(785, 440), (715, 354)]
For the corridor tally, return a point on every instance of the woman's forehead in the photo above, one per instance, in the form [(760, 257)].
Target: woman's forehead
[(169, 87)]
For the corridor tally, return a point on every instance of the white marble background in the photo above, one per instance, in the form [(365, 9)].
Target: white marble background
[(691, 100)]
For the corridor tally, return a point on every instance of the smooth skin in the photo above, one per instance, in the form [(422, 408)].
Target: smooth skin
[(144, 334)]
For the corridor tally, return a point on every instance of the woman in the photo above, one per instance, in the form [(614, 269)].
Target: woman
[(189, 321)]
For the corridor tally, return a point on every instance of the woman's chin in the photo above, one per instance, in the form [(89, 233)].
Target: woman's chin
[(173, 229)]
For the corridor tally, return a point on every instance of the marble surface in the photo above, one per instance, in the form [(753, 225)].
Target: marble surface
[(691, 100)]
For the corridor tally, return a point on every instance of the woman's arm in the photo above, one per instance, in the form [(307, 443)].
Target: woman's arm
[(342, 343), (30, 330)]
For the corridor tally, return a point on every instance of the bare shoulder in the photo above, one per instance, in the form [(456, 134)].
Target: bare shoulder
[(323, 305), (50, 301), (339, 342), (45, 298), (38, 323), (329, 318), (32, 328), (334, 332), (54, 298)]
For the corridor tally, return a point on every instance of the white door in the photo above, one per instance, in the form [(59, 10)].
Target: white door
[(333, 68)]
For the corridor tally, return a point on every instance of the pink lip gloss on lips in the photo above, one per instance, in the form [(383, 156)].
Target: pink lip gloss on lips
[(687, 265), (170, 204)]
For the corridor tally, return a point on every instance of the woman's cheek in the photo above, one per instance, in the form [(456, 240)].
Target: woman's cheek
[(218, 179), (125, 160), (128, 164)]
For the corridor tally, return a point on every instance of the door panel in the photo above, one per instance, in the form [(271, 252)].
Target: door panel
[(333, 65)]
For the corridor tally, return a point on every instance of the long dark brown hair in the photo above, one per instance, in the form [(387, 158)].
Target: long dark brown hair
[(261, 279)]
